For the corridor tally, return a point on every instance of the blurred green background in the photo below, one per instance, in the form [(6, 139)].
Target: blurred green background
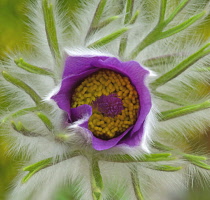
[(12, 37)]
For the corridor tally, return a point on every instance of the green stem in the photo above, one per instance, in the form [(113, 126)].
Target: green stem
[(33, 69), (136, 185), (157, 33), (46, 121), (97, 17), (128, 16), (181, 26), (148, 40), (96, 179), (50, 27), (128, 11), (106, 22), (170, 114), (181, 67), (170, 99), (18, 83), (107, 39), (162, 10), (34, 168), (22, 130), (19, 113), (125, 158), (176, 11)]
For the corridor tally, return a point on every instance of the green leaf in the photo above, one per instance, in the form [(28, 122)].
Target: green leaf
[(36, 165), (50, 27), (34, 168), (181, 67), (176, 11), (31, 68), (194, 158), (21, 129), (19, 113), (128, 11), (181, 26), (106, 22), (158, 34), (161, 60), (125, 158), (162, 10), (46, 121), (160, 146), (197, 161), (170, 99), (201, 164), (134, 17), (109, 38), (170, 114), (98, 13), (136, 184), (166, 168), (18, 83), (96, 18), (96, 180), (128, 16)]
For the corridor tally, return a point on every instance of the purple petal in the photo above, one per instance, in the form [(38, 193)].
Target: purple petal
[(63, 97), (100, 145), (79, 64)]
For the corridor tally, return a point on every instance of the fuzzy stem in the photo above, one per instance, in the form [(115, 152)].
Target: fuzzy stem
[(176, 11), (125, 158), (106, 22), (18, 83), (96, 18), (162, 10), (157, 33), (134, 18), (136, 185), (96, 179), (181, 67), (34, 168), (32, 69), (170, 99), (46, 121), (170, 114), (181, 26), (128, 16), (129, 10), (19, 113), (22, 130), (164, 168), (50, 28), (162, 60), (107, 39), (193, 159)]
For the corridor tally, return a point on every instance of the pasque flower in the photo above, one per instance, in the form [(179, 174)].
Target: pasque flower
[(111, 95), (97, 91)]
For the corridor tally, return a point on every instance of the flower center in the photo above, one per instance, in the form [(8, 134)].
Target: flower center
[(109, 105), (114, 102)]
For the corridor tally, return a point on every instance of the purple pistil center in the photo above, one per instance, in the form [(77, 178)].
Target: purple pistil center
[(109, 105)]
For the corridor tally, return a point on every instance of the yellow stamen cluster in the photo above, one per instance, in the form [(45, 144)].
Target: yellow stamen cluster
[(106, 82)]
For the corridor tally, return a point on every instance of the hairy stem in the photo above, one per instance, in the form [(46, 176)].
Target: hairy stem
[(136, 185), (96, 179), (181, 67), (50, 27), (157, 33), (170, 114)]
